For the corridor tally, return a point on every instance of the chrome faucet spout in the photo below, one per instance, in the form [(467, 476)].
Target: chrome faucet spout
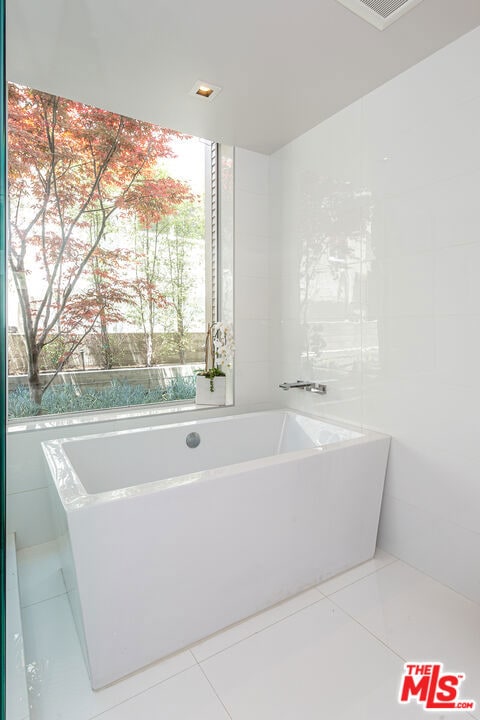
[(303, 385)]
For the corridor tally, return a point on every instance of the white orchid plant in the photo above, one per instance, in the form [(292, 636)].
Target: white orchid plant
[(219, 351)]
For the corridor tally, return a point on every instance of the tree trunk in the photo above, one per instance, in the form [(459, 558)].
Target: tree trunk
[(34, 381), (149, 348), (149, 336), (181, 337), (106, 345), (33, 350)]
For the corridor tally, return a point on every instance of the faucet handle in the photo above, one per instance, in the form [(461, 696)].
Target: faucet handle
[(319, 388)]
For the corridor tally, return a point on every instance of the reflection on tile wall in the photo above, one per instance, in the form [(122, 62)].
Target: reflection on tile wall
[(321, 232), (375, 218)]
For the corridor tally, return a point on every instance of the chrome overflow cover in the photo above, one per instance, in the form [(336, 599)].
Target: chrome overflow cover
[(193, 440)]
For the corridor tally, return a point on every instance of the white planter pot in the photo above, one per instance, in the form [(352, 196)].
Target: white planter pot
[(205, 396)]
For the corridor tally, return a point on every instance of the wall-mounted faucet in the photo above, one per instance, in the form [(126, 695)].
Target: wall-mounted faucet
[(308, 386)]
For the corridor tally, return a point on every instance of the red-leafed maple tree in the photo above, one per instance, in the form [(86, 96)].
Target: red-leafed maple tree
[(71, 167), (110, 292)]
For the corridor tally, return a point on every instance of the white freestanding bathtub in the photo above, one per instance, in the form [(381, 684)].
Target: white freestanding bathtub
[(164, 544)]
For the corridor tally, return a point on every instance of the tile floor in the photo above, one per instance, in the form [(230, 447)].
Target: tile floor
[(17, 705), (334, 652)]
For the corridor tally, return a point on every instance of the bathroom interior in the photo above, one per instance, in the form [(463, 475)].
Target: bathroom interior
[(309, 547)]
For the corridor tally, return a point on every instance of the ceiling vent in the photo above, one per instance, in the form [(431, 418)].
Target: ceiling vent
[(380, 13)]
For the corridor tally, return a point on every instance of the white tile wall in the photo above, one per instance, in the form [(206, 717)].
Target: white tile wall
[(375, 214), (28, 512), (253, 385), (318, 225)]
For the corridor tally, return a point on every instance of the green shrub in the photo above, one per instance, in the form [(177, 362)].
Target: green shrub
[(20, 403), (67, 399)]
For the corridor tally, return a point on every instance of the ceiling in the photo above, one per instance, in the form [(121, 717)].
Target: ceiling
[(284, 66)]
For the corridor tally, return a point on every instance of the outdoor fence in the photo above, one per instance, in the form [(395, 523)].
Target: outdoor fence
[(127, 351)]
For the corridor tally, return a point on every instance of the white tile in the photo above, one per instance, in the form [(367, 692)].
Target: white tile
[(433, 544), (318, 663), (457, 289), (250, 240), (389, 403), (29, 517), (430, 456), (339, 404), (39, 573), (419, 618), (252, 341), (252, 299), (11, 564), (25, 466), (16, 685), (452, 143), (57, 675), (404, 285), (425, 152), (254, 624), (408, 224), (457, 344), (328, 293), (252, 383), (407, 345), (251, 214), (251, 171), (187, 696), (454, 209), (251, 257), (357, 573), (341, 374)]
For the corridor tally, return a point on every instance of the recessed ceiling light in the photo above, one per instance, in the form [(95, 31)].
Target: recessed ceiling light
[(205, 90)]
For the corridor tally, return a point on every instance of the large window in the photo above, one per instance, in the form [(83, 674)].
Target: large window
[(110, 257)]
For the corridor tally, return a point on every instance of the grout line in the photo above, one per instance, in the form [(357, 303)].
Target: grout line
[(214, 690), (257, 632), (440, 582), (323, 596), (22, 492), (369, 631), (390, 562), (137, 694), (38, 602)]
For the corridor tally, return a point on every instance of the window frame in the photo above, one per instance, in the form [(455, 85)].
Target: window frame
[(213, 293)]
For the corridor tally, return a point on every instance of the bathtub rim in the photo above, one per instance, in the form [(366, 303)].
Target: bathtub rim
[(74, 496)]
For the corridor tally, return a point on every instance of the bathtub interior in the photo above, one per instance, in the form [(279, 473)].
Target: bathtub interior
[(114, 461)]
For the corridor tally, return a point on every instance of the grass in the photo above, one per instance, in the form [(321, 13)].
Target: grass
[(67, 399)]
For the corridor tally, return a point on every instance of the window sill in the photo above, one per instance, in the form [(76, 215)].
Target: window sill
[(22, 425)]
